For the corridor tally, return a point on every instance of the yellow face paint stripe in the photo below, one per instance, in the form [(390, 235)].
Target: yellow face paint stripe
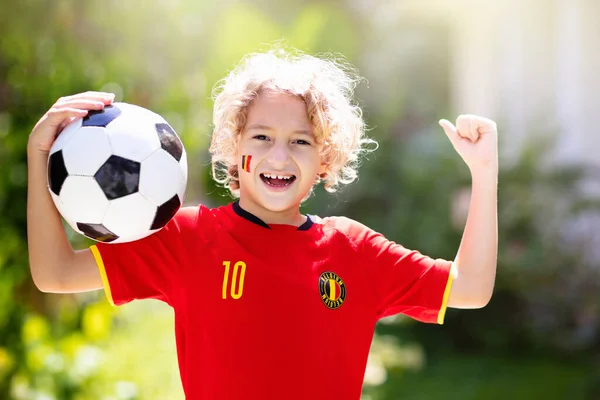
[(102, 269)]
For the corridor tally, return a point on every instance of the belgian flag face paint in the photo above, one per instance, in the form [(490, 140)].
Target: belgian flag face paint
[(246, 162)]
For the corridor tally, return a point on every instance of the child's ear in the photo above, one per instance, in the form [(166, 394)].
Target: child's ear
[(322, 169)]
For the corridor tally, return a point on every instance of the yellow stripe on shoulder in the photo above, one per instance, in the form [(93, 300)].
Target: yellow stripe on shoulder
[(102, 269), (444, 306)]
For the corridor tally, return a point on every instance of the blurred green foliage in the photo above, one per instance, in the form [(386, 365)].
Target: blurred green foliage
[(538, 338)]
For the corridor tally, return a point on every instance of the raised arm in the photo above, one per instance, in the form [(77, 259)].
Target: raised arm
[(55, 266), (476, 141)]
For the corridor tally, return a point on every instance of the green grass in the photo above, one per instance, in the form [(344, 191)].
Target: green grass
[(142, 351), (490, 378)]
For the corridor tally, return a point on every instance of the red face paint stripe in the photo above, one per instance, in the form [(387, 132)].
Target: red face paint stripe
[(246, 163)]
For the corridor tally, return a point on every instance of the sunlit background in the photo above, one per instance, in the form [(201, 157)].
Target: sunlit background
[(530, 65)]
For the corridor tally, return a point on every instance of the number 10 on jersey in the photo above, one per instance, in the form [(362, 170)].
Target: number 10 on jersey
[(237, 279)]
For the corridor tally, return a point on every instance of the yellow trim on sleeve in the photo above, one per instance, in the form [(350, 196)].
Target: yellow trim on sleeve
[(102, 269), (444, 306)]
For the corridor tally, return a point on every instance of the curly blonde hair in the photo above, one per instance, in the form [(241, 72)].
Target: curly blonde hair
[(326, 85)]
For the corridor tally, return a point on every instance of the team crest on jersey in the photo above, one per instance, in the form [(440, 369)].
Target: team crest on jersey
[(332, 289)]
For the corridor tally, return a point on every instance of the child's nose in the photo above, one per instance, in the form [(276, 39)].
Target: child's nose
[(279, 155)]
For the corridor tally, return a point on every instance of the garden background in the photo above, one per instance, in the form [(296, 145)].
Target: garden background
[(539, 338)]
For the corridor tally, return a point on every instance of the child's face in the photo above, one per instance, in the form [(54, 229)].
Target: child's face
[(285, 158)]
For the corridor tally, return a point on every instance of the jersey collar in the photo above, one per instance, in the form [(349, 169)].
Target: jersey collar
[(254, 219)]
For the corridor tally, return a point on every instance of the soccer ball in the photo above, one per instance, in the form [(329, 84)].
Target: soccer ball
[(119, 174)]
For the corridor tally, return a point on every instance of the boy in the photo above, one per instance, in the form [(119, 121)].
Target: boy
[(270, 303)]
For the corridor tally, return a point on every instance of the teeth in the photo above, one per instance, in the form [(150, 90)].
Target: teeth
[(270, 176)]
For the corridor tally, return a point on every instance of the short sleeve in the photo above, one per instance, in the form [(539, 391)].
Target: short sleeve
[(149, 268), (406, 281)]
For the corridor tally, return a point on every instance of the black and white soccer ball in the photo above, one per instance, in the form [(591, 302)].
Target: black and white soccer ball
[(119, 174)]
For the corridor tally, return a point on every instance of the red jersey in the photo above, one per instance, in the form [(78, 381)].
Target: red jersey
[(273, 311)]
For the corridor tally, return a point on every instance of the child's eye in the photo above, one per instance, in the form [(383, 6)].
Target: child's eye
[(261, 137), (303, 142)]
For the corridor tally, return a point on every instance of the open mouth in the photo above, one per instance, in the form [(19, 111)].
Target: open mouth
[(278, 180)]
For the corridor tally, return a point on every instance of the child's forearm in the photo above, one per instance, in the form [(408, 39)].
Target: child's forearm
[(477, 256), (49, 248)]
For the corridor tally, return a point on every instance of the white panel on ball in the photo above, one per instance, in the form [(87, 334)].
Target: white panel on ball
[(160, 177), (65, 135), (131, 216), (184, 169), (133, 134), (56, 200), (85, 153), (82, 200), (59, 205)]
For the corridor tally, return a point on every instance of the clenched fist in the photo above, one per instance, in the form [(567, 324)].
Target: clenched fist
[(475, 139)]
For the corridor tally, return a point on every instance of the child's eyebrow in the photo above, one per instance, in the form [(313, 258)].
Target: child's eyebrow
[(268, 128), (259, 127)]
